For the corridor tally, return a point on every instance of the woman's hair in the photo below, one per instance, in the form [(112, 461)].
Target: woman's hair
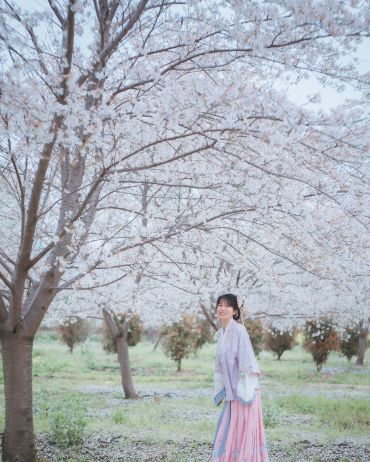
[(232, 301)]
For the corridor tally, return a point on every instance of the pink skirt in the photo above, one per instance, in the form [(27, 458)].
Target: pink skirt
[(240, 435)]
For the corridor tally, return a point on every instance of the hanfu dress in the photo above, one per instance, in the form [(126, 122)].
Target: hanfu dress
[(240, 434)]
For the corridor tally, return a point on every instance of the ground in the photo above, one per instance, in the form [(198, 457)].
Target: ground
[(309, 417)]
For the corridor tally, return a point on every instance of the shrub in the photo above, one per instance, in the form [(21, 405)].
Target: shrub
[(67, 421), (255, 331), (135, 329), (279, 341), (184, 337), (73, 330), (349, 343), (320, 339)]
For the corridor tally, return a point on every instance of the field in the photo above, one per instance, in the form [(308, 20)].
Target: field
[(308, 416)]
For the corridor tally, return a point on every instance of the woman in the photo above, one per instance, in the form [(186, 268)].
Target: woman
[(240, 435)]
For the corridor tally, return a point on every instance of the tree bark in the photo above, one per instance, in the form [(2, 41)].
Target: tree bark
[(124, 362), (157, 342), (18, 443), (119, 334), (362, 344)]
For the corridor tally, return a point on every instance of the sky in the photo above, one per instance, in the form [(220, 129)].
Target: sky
[(330, 98)]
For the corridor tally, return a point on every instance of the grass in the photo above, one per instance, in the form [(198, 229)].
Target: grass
[(298, 403), (340, 414)]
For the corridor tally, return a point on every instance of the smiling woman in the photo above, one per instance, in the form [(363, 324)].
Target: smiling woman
[(240, 434)]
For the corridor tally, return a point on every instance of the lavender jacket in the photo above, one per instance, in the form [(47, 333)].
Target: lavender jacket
[(236, 372)]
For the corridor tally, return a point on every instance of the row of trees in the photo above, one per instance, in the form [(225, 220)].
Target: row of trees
[(189, 334), (320, 337)]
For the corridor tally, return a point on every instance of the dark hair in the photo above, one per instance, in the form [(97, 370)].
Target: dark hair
[(232, 301)]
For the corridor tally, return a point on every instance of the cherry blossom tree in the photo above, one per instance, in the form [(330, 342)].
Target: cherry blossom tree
[(100, 98)]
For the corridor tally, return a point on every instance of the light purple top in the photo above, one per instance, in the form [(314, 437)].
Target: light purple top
[(235, 357)]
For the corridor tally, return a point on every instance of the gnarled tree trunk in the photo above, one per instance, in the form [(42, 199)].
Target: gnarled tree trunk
[(18, 439)]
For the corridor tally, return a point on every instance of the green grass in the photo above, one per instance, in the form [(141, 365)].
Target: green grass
[(298, 403), (341, 414)]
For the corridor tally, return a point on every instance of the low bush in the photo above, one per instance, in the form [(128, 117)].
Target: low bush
[(279, 341), (349, 343), (320, 339), (73, 330)]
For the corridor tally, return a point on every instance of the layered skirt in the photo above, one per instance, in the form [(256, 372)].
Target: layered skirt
[(240, 435)]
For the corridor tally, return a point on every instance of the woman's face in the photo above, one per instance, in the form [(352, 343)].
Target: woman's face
[(224, 311)]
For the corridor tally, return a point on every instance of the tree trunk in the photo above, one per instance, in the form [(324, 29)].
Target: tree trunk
[(124, 362), (179, 365), (18, 443), (157, 342), (362, 345)]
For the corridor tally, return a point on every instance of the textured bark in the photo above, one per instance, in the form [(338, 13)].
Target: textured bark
[(18, 439), (124, 362), (120, 335), (362, 345)]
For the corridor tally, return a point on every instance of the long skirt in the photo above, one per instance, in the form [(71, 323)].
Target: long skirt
[(240, 435)]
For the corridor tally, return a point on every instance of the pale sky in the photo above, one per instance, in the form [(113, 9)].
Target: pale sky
[(330, 98)]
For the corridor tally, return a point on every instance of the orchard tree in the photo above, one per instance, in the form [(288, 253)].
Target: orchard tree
[(349, 343), (320, 339), (182, 338), (101, 98), (73, 330), (279, 341)]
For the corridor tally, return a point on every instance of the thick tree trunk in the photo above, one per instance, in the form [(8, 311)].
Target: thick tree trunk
[(124, 362), (18, 443), (362, 345)]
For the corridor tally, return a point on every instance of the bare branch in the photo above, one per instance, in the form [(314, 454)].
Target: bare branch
[(57, 13), (40, 255), (106, 52)]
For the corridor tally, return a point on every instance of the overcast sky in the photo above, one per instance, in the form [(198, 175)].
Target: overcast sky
[(330, 98)]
